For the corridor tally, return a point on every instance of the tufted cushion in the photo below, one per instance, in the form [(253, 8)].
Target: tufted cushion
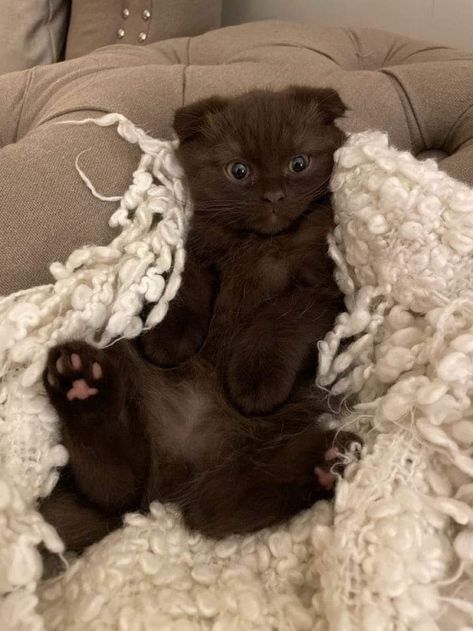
[(420, 93)]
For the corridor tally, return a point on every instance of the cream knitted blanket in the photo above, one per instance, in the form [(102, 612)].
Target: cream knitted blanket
[(395, 550)]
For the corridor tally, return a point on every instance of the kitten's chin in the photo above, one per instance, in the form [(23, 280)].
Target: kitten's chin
[(270, 231), (273, 226)]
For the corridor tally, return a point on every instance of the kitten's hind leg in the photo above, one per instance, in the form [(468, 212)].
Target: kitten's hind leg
[(96, 394), (78, 523), (269, 482)]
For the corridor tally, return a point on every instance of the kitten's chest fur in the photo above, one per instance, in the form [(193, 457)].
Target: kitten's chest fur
[(256, 270), (262, 274)]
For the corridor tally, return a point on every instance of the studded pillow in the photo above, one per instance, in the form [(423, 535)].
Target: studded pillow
[(96, 23)]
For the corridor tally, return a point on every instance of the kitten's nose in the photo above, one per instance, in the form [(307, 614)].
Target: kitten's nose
[(273, 196)]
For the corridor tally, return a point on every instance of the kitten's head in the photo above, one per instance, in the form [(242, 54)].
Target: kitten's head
[(256, 162)]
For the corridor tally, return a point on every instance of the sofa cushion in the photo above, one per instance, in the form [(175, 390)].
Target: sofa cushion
[(31, 32)]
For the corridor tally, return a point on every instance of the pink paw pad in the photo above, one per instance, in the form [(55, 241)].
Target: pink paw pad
[(72, 368), (326, 478), (97, 370), (81, 390)]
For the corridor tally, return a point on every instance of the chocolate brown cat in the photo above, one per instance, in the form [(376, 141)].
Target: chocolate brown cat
[(214, 409)]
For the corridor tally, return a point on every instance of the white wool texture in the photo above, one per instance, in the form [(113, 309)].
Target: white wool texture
[(395, 549)]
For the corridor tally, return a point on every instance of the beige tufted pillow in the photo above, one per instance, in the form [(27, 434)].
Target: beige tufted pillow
[(31, 32)]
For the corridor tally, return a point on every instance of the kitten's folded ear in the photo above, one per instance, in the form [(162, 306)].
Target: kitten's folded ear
[(328, 102), (190, 120)]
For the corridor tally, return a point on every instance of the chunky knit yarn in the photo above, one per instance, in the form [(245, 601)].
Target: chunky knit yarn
[(98, 296), (395, 549), (401, 550)]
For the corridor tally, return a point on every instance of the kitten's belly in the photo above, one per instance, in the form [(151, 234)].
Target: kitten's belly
[(189, 418)]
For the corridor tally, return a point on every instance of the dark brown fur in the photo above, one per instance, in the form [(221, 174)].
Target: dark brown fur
[(214, 409)]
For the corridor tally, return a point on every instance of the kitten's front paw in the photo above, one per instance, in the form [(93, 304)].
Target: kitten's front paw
[(167, 346), (258, 388), (73, 372)]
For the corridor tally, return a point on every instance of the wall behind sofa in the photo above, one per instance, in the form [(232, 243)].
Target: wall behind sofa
[(446, 21)]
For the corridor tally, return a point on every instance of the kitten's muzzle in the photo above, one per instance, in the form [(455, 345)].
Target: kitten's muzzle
[(274, 197)]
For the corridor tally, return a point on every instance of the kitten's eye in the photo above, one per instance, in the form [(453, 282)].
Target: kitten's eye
[(299, 163), (238, 170)]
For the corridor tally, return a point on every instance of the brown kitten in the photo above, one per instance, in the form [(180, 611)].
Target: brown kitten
[(214, 409)]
